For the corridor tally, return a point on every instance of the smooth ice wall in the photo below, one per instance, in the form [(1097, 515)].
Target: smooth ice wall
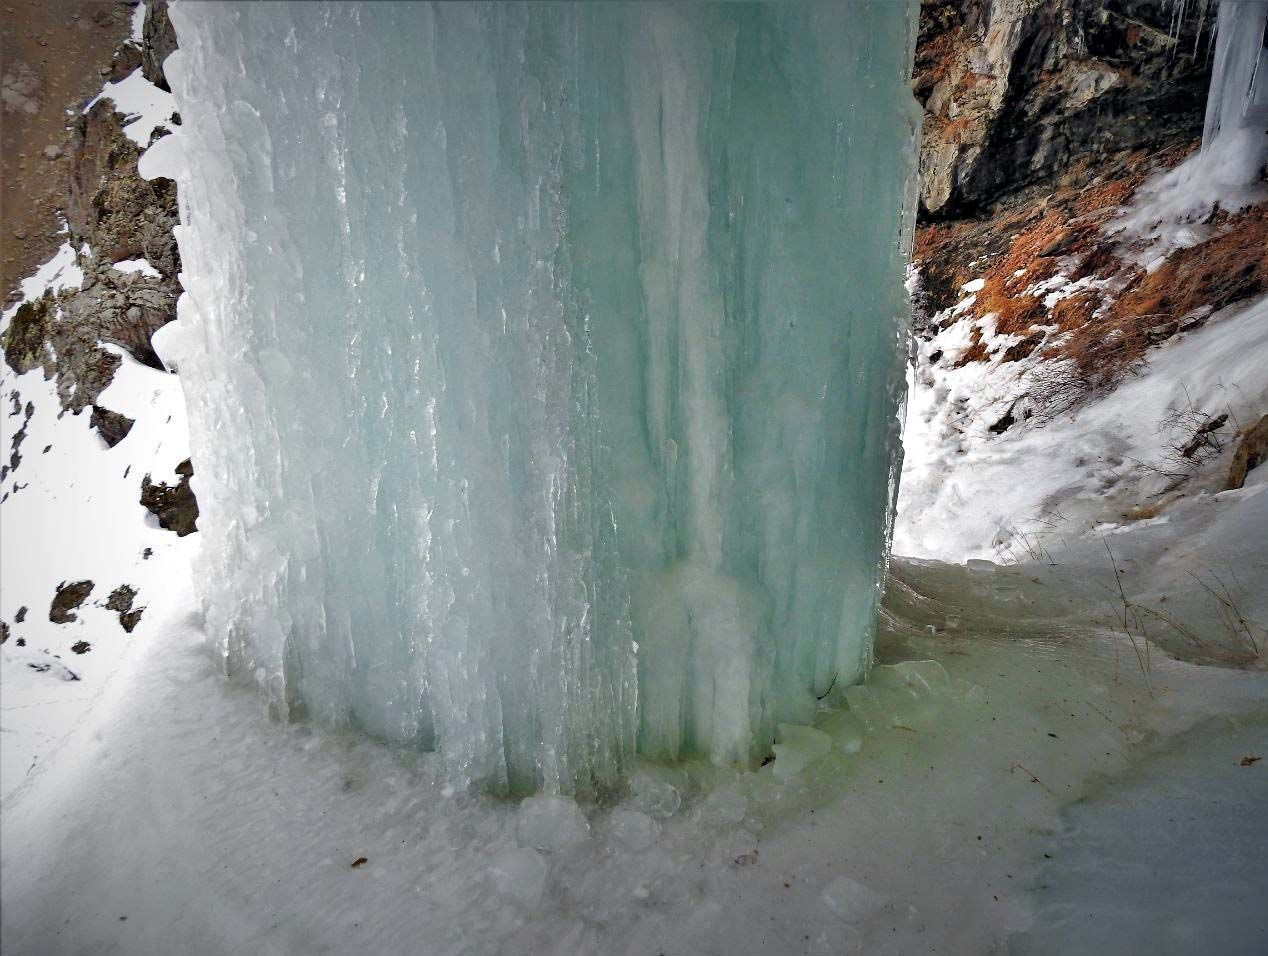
[(544, 364)]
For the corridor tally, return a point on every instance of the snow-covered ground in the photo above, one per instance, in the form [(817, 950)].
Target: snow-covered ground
[(1014, 786), (1123, 494), (992, 469)]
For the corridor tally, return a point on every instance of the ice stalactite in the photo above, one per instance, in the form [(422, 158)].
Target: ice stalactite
[(1228, 171), (544, 364), (1237, 104)]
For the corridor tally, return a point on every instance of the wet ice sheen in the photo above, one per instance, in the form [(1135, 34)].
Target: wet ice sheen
[(543, 365)]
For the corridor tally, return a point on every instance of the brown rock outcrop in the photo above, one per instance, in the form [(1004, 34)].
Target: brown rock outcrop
[(1252, 451), (119, 216)]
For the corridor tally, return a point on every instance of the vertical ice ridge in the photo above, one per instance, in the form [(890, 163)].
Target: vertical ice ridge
[(542, 362)]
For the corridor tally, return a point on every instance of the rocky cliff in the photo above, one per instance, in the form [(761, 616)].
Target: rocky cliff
[(1042, 119), (1030, 94)]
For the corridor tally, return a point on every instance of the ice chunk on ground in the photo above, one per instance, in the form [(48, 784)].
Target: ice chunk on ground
[(845, 729), (631, 829), (724, 805), (551, 823), (920, 678), (798, 747), (657, 791)]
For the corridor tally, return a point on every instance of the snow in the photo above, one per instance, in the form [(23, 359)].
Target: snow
[(137, 35), (137, 265), (60, 273), (71, 512), (146, 106)]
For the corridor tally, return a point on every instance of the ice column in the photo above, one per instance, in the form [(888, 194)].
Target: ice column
[(543, 364), (1239, 76)]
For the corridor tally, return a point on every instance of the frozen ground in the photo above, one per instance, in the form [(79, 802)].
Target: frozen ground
[(1022, 784)]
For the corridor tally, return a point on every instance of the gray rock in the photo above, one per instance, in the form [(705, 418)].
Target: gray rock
[(1252, 450), (1015, 91), (120, 216), (158, 42)]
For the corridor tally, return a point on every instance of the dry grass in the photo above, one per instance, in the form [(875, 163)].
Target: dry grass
[(1145, 512), (1109, 336), (1228, 268), (1091, 340)]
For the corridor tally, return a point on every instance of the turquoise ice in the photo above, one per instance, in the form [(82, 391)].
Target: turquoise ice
[(544, 366)]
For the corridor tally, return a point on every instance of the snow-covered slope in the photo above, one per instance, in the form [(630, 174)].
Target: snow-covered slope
[(87, 570), (71, 513), (969, 493)]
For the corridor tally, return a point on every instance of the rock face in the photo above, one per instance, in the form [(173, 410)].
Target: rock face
[(120, 601), (1016, 91), (119, 216), (159, 41), (17, 436), (1042, 119), (112, 426), (112, 215)]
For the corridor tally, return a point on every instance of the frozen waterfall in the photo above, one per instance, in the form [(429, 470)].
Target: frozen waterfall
[(544, 365), (1235, 131)]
